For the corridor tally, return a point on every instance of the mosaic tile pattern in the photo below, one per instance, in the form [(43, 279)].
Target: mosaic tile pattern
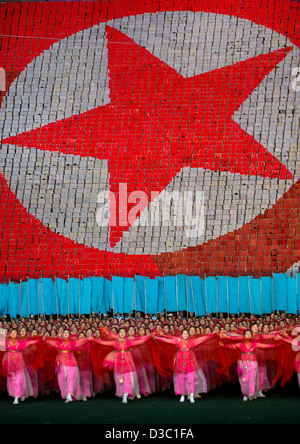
[(178, 100)]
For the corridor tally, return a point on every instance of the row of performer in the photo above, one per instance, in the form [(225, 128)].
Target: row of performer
[(81, 367)]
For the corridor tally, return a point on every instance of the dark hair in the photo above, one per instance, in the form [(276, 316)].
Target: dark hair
[(247, 329)]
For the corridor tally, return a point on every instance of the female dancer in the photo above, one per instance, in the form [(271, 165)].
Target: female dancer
[(82, 356), (16, 363), (151, 373), (117, 356), (66, 366), (266, 370), (290, 356), (189, 378), (139, 357), (248, 370), (32, 374)]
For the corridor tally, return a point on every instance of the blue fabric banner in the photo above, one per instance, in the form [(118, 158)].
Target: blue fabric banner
[(85, 296), (171, 294), (108, 296), (129, 295), (161, 294), (14, 300), (244, 294), (49, 295), (24, 299), (140, 293), (280, 291), (233, 295), (98, 295), (63, 297), (33, 289), (298, 292), (291, 296), (196, 296), (181, 293), (118, 293), (211, 294), (74, 295), (151, 296), (4, 295), (267, 294), (223, 303), (255, 296)]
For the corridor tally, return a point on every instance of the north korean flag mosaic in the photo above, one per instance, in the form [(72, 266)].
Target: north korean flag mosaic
[(149, 137)]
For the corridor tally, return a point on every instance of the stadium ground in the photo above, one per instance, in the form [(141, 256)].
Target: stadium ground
[(221, 406)]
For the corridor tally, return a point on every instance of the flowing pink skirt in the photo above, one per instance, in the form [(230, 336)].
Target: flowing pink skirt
[(19, 384), (69, 381), (248, 377), (143, 381), (127, 383), (150, 371), (190, 383), (86, 383), (264, 383)]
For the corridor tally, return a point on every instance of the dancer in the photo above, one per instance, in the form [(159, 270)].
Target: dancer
[(266, 370), (16, 363), (66, 366), (189, 378), (140, 355), (248, 370), (163, 383), (82, 356), (151, 373), (117, 356), (289, 357)]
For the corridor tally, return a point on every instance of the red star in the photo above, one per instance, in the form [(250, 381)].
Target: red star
[(158, 122)]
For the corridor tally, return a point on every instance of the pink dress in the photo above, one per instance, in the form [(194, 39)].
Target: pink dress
[(247, 366), (265, 372), (67, 370), (86, 381), (162, 383), (18, 379), (121, 362), (189, 377), (140, 367), (295, 347)]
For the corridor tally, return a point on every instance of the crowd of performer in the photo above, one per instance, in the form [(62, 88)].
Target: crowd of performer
[(138, 355)]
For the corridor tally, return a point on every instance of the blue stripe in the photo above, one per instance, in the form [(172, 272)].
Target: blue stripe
[(219, 294)]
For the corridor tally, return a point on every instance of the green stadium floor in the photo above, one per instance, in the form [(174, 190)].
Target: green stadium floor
[(221, 406)]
